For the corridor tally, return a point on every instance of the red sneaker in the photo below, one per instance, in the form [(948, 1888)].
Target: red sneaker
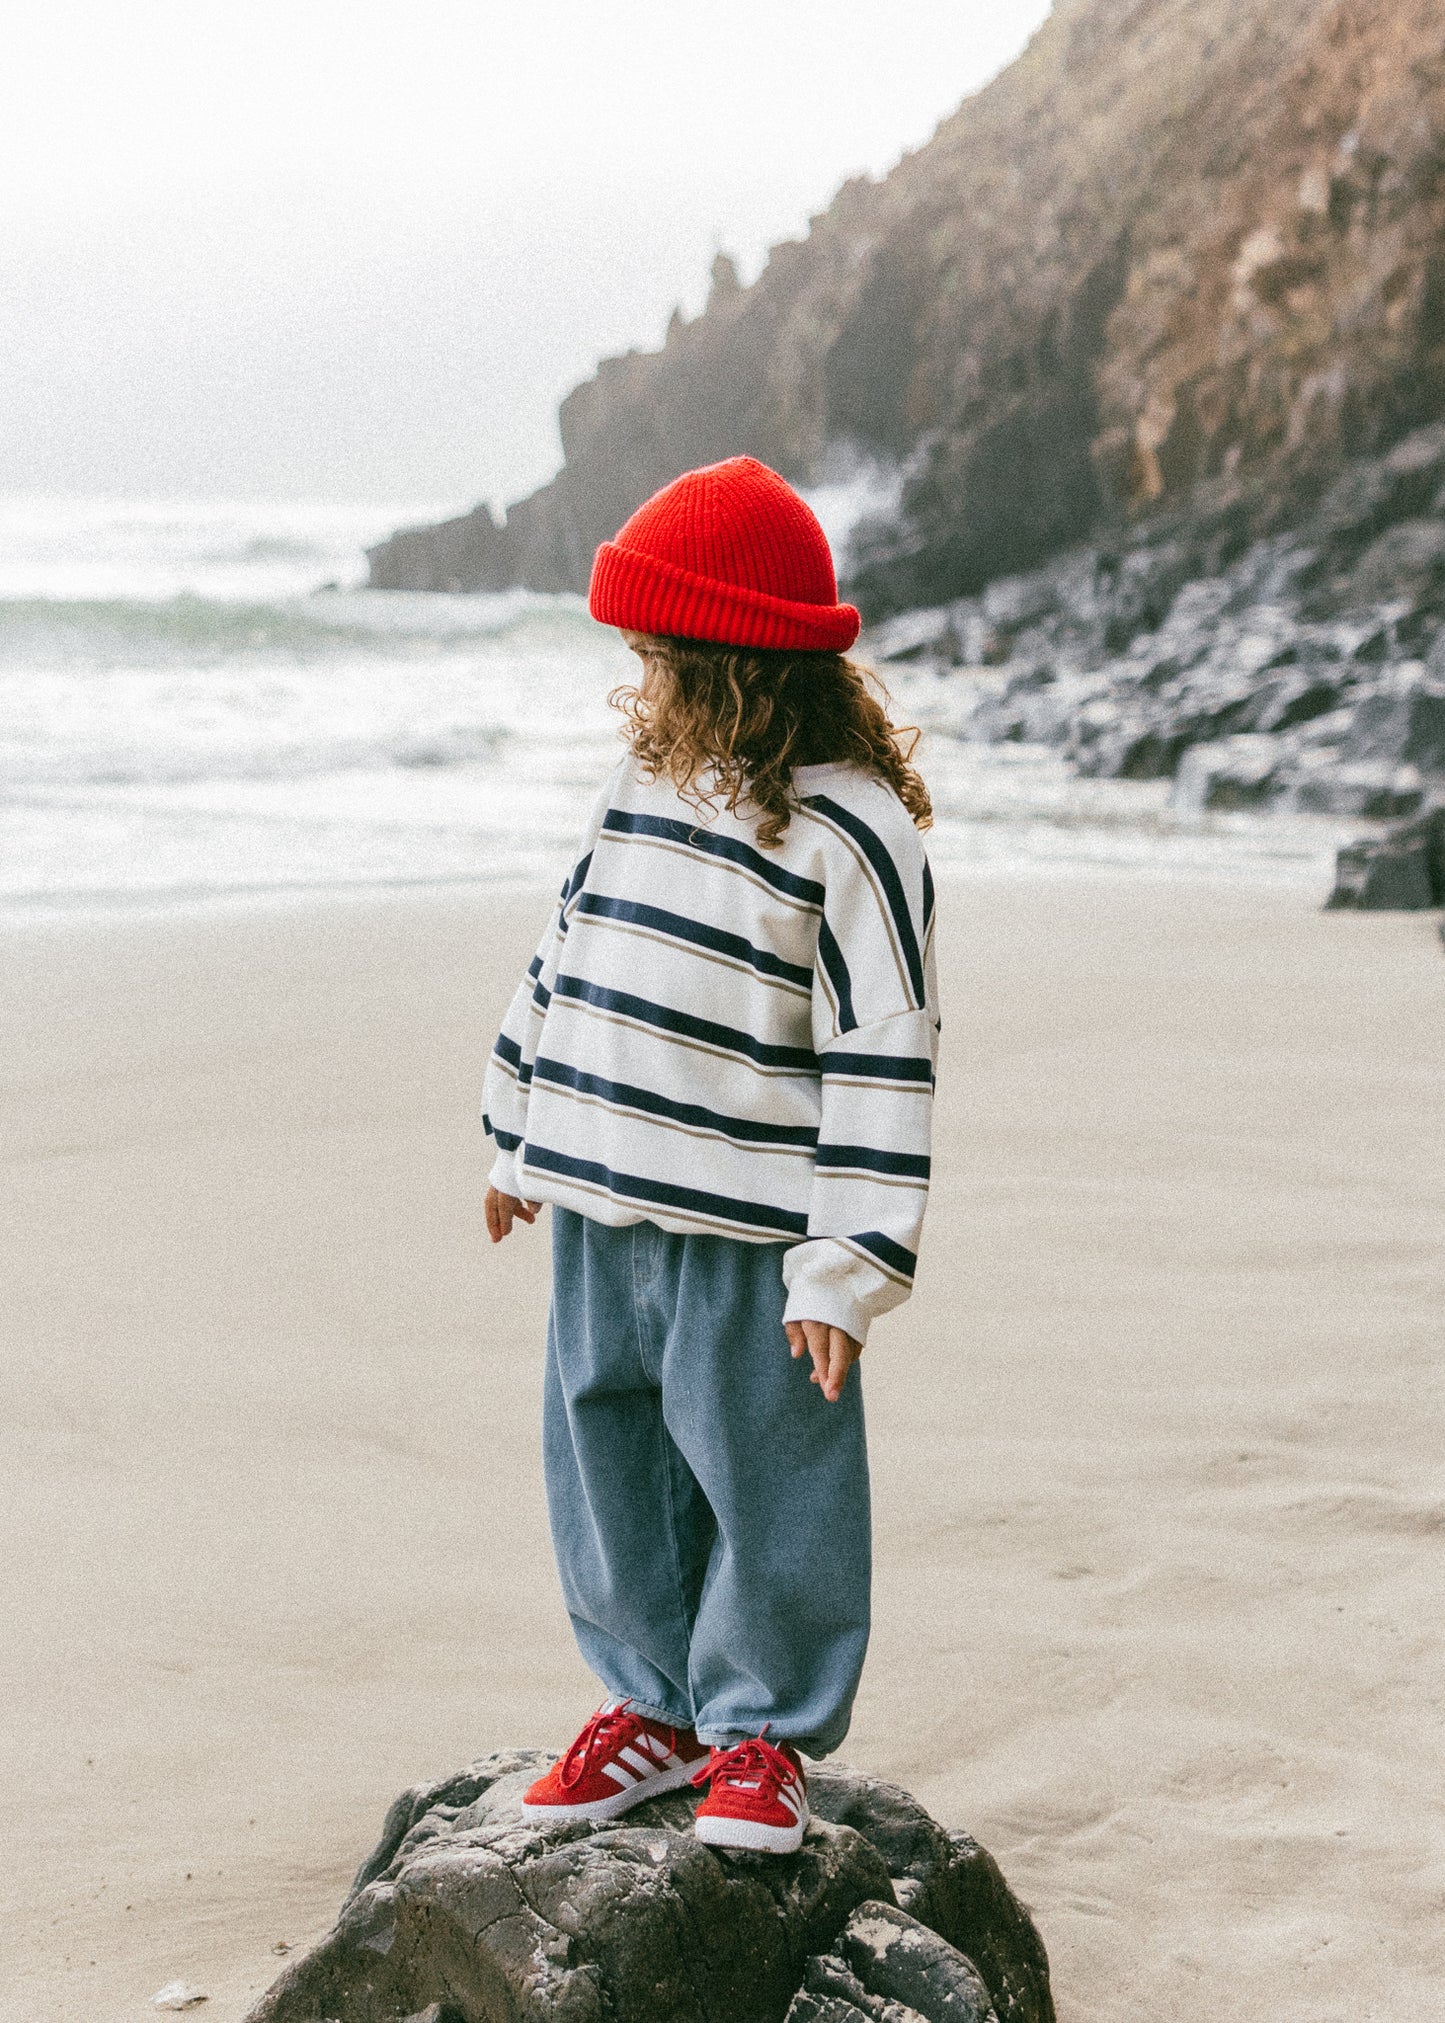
[(619, 1759), (758, 1799)]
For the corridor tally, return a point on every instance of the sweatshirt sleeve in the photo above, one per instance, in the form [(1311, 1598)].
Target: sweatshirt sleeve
[(508, 1079), (875, 1031)]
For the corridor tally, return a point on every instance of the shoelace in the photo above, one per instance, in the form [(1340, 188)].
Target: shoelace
[(610, 1728), (755, 1762)]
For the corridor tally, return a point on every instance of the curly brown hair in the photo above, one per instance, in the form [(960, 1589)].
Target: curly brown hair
[(730, 723)]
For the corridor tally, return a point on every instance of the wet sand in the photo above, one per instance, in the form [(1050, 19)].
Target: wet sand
[(1157, 1445)]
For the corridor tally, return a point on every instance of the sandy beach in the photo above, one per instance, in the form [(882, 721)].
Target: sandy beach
[(1157, 1446)]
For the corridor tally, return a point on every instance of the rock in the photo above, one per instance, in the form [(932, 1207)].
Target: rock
[(466, 1913), (1250, 688), (1403, 722), (1376, 793), (1234, 773), (931, 636), (948, 1882), (469, 553), (899, 1959), (1401, 871)]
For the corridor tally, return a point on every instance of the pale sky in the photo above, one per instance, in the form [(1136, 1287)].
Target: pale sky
[(338, 248)]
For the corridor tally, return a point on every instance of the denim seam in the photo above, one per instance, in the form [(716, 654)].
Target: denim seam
[(663, 1441)]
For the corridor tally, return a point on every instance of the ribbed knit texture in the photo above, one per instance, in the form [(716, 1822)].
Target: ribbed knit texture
[(729, 553), (740, 1041)]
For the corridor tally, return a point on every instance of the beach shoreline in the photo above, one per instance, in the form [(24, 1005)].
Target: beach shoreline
[(1155, 1446)]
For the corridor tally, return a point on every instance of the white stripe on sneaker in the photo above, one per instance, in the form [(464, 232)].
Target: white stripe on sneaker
[(626, 1778)]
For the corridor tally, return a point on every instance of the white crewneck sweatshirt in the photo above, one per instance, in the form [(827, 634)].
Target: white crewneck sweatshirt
[(720, 1037)]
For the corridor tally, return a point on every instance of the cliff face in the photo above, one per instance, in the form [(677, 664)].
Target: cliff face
[(1182, 255)]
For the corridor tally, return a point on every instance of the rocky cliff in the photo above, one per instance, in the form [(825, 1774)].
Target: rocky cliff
[(1185, 257)]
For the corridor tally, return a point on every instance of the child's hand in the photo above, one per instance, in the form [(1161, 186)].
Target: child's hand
[(833, 1353), (503, 1209)]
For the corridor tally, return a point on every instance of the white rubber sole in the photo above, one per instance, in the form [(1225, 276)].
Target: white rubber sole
[(622, 1801), (751, 1834)]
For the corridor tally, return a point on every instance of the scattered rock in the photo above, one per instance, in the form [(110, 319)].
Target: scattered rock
[(178, 1995), (1266, 685), (467, 1913)]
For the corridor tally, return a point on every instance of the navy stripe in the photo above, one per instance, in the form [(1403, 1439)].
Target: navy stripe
[(508, 1051), (883, 1248), (886, 871), (681, 928), (927, 895), (507, 1140), (727, 847), (666, 1020), (634, 1187), (831, 957), (534, 967), (541, 996), (574, 883), (745, 1129), (878, 1067), (914, 1165)]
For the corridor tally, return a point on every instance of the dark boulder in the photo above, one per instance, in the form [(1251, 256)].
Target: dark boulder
[(466, 1913), (1400, 871)]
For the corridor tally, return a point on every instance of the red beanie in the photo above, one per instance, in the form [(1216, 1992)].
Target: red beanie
[(729, 553)]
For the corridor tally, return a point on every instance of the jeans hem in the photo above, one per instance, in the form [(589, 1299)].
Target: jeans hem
[(815, 1747), (659, 1714)]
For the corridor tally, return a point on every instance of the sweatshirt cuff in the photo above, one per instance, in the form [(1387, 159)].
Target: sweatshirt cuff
[(505, 1177), (815, 1299)]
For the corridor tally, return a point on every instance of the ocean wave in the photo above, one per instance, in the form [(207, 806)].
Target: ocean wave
[(152, 765), (153, 548), (117, 693), (105, 633)]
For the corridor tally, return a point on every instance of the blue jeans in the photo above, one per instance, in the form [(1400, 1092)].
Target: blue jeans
[(709, 1507)]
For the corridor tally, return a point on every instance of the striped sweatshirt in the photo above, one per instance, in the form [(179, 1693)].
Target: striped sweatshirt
[(716, 1036)]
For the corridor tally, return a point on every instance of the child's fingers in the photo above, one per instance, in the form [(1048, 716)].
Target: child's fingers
[(816, 1333), (797, 1340), (837, 1366), (843, 1353), (525, 1211)]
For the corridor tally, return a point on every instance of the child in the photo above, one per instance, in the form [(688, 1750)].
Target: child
[(719, 1071)]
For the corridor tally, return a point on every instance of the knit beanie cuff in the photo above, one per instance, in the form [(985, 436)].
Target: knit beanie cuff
[(642, 594)]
